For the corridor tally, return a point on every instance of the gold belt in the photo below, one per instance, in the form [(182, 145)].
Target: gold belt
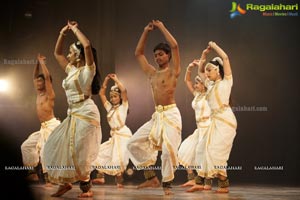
[(78, 103), (161, 108)]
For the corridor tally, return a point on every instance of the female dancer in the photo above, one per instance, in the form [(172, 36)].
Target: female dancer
[(222, 130), (74, 144), (190, 150), (113, 156)]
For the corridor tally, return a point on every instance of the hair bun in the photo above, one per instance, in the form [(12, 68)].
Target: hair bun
[(115, 89), (218, 59)]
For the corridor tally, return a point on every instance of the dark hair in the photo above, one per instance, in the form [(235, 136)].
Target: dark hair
[(43, 77), (221, 68), (164, 47), (97, 78)]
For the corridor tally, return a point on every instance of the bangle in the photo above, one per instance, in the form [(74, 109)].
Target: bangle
[(104, 87), (62, 33)]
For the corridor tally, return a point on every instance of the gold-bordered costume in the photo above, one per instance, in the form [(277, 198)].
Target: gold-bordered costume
[(74, 144), (221, 132), (162, 132), (32, 148), (113, 155), (191, 147)]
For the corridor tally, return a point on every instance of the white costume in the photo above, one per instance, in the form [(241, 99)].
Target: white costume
[(162, 132), (32, 148), (193, 144), (222, 130), (113, 155), (74, 144)]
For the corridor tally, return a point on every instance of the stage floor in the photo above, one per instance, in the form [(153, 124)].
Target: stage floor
[(129, 192)]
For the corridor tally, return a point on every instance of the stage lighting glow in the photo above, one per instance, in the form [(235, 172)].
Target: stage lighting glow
[(3, 86)]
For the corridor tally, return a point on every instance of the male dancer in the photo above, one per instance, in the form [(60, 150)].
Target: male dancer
[(163, 131)]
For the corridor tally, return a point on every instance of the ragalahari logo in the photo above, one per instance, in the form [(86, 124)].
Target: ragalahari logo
[(236, 10)]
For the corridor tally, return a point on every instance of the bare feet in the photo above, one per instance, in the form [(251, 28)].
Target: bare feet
[(195, 188), (119, 185), (168, 191), (32, 177), (207, 187), (222, 190), (188, 183), (154, 182), (98, 181), (86, 194), (62, 189), (48, 184)]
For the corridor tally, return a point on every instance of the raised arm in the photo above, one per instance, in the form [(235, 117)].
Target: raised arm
[(89, 59), (173, 44), (140, 49), (36, 70), (48, 84), (223, 55), (201, 63), (58, 51), (103, 90), (120, 86), (187, 78)]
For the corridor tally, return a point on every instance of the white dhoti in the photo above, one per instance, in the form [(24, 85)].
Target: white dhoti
[(32, 148), (190, 153), (187, 150), (162, 132), (113, 155), (218, 144), (73, 146), (30, 152), (222, 131)]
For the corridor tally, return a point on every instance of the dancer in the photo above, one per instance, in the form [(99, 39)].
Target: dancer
[(222, 130), (190, 153), (113, 154), (163, 131), (33, 146), (74, 144)]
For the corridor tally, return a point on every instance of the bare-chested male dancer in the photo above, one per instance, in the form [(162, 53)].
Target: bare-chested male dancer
[(163, 131), (33, 146)]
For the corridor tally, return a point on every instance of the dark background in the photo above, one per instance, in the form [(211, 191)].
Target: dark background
[(264, 55)]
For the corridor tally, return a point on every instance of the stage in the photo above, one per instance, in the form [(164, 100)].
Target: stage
[(129, 192)]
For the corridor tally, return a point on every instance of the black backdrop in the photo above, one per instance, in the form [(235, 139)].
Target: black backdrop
[(264, 54)]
